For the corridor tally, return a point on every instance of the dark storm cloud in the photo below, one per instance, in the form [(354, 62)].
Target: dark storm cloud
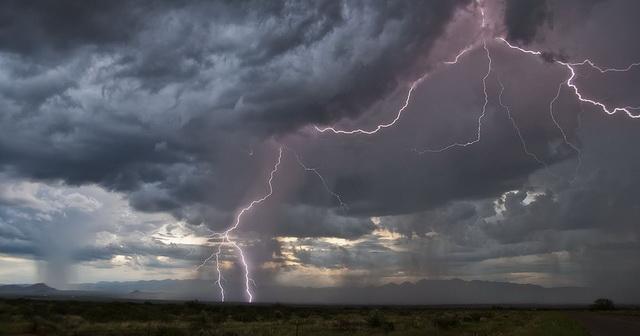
[(164, 100), (35, 28), (524, 17), (602, 198), (179, 106), (383, 175), (307, 221), (450, 219), (590, 218)]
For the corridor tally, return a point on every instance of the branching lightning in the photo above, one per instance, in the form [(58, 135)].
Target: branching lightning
[(571, 84), (605, 70), (407, 100), (322, 179), (224, 238), (482, 115), (460, 54), (562, 131), (525, 148), (381, 126), (417, 82)]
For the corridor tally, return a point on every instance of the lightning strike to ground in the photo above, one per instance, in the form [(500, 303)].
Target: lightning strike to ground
[(225, 238)]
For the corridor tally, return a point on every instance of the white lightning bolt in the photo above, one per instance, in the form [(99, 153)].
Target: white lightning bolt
[(225, 238), (412, 87), (482, 14), (322, 179), (555, 121), (570, 81), (610, 110), (564, 134), (604, 70), (460, 54), (517, 129), (482, 115)]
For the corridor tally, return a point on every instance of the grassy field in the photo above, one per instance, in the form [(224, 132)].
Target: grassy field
[(37, 317)]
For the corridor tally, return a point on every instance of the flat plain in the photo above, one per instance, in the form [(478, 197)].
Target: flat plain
[(69, 317)]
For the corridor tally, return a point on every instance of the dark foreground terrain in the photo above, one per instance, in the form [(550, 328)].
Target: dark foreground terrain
[(58, 317)]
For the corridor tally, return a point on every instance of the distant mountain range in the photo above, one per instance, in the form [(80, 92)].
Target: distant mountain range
[(42, 290), (424, 292), (38, 289), (435, 292)]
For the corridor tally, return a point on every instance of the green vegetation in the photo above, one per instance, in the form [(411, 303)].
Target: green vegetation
[(38, 317)]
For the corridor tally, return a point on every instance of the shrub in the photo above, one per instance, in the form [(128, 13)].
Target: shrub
[(388, 327), (345, 324), (446, 321), (375, 319), (603, 304)]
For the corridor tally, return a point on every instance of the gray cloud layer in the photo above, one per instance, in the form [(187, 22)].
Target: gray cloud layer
[(158, 103)]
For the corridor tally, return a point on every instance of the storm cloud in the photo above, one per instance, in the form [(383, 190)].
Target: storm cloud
[(130, 130)]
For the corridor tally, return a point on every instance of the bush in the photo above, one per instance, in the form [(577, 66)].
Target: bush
[(388, 327), (345, 324), (603, 304), (42, 326), (446, 321), (375, 319)]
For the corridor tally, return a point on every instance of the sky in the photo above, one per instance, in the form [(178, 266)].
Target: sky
[(132, 132)]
